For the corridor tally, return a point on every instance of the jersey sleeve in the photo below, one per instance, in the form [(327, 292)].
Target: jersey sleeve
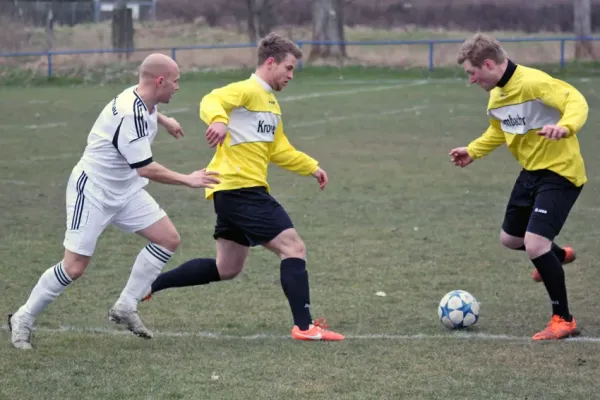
[(286, 156), (131, 140), (565, 98), (486, 143), (218, 104)]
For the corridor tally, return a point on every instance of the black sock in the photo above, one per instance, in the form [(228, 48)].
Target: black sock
[(294, 281), (199, 271), (559, 251), (553, 275)]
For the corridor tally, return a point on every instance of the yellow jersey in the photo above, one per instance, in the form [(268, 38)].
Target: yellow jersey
[(254, 138), (524, 101)]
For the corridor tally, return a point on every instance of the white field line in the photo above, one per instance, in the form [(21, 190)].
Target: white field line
[(355, 116), (179, 110), (60, 156), (16, 182), (268, 336), (46, 125), (341, 81), (351, 91), (37, 102), (50, 125), (27, 183)]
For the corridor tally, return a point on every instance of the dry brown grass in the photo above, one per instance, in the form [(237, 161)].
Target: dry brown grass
[(169, 34)]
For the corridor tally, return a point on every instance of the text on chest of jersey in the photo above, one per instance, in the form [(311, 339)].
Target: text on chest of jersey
[(247, 126), (520, 118)]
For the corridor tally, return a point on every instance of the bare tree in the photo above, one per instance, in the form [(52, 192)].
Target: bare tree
[(252, 32), (582, 25), (122, 28), (19, 10), (49, 27), (261, 18), (328, 26)]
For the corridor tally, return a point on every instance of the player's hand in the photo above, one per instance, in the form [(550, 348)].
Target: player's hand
[(173, 127), (321, 177), (215, 134), (203, 178), (553, 132), (460, 157)]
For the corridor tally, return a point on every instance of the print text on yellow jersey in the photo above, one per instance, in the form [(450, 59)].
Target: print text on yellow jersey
[(524, 101), (255, 136)]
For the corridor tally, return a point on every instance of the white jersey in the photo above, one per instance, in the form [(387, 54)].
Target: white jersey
[(118, 143)]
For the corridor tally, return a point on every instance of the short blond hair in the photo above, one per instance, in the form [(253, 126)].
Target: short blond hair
[(278, 47), (479, 48)]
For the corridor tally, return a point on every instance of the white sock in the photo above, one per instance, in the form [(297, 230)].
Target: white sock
[(146, 269), (51, 284)]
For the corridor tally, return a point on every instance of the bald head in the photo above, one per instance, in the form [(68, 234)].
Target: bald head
[(159, 79), (156, 65)]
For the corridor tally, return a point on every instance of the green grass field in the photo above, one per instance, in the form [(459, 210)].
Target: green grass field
[(396, 217)]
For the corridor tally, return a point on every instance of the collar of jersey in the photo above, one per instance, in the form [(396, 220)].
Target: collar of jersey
[(262, 83), (140, 97), (510, 71)]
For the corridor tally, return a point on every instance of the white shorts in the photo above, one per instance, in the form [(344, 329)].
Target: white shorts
[(86, 220)]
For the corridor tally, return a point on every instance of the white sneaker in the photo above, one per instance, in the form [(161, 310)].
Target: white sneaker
[(21, 330), (131, 320)]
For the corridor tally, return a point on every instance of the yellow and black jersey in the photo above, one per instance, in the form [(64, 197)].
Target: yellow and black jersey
[(255, 136), (524, 101)]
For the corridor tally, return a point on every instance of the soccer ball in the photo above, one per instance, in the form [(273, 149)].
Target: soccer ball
[(458, 309)]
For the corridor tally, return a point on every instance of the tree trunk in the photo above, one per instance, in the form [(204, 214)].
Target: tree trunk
[(582, 25), (339, 9), (252, 34), (266, 18), (328, 26), (49, 28), (122, 28), (19, 10)]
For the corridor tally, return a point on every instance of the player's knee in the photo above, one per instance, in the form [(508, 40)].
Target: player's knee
[(229, 271), (536, 245), (170, 241), (75, 266), (512, 242), (231, 258), (294, 249)]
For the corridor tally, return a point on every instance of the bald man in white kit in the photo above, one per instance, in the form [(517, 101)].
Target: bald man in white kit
[(107, 187)]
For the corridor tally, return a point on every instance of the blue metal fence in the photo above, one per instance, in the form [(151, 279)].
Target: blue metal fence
[(430, 43)]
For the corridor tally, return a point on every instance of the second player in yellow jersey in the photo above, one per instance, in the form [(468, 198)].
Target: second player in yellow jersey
[(538, 117), (520, 107)]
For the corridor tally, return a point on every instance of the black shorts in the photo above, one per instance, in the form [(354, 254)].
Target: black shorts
[(539, 203), (249, 216)]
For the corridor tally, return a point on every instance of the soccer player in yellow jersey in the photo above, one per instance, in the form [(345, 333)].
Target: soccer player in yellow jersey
[(537, 117), (244, 124)]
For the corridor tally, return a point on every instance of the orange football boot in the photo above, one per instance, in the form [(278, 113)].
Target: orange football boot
[(318, 330), (557, 328)]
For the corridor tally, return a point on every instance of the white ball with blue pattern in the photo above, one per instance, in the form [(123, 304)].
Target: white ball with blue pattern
[(458, 309)]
